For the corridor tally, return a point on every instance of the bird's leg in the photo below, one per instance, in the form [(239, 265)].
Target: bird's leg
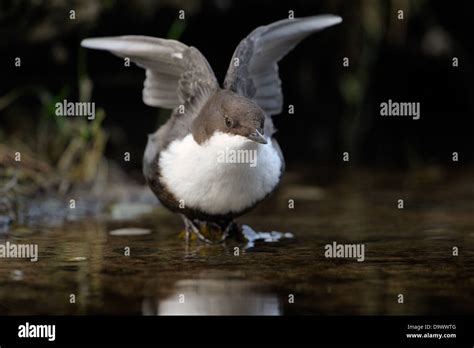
[(230, 226), (224, 232), (190, 227), (194, 227), (200, 236)]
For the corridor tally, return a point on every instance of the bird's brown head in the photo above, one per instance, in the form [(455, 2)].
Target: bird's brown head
[(230, 113)]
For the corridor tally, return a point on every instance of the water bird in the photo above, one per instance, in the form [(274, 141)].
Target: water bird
[(182, 163)]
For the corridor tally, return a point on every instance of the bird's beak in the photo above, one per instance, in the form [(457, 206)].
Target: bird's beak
[(257, 137)]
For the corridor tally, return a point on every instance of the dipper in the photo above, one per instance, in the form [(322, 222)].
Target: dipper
[(184, 162)]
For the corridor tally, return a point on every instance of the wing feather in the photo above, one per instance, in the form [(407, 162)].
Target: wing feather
[(176, 74), (253, 72)]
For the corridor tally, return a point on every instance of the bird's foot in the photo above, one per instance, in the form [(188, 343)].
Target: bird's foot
[(208, 232)]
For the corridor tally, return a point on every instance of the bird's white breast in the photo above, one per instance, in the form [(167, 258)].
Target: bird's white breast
[(203, 178)]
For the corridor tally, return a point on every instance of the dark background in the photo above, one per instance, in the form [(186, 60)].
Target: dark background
[(336, 107)]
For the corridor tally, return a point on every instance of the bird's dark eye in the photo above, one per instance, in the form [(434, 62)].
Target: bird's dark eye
[(228, 121)]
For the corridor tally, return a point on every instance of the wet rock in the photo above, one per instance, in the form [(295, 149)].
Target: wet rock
[(133, 231), (128, 211)]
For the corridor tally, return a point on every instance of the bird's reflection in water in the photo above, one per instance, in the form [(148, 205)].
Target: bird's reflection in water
[(214, 297)]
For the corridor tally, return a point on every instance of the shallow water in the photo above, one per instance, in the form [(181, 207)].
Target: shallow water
[(407, 251)]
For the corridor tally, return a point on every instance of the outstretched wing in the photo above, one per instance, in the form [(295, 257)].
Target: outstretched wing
[(253, 70), (176, 74)]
